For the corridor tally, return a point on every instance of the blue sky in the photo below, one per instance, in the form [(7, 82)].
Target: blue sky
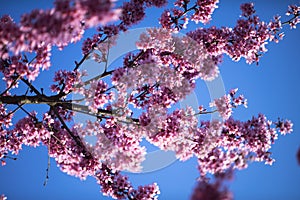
[(271, 88)]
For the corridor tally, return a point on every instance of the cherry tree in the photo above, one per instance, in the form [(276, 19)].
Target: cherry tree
[(134, 102)]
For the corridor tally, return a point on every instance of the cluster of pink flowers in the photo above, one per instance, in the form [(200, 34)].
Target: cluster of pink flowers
[(150, 83), (59, 26), (295, 11), (115, 146), (131, 13), (239, 143), (95, 95), (5, 118), (26, 131), (90, 43), (117, 186), (247, 9), (39, 30), (247, 39), (66, 21), (184, 52), (203, 12), (159, 39), (134, 11), (176, 19), (159, 76), (173, 132), (225, 103), (170, 19), (223, 106), (284, 127), (67, 81)]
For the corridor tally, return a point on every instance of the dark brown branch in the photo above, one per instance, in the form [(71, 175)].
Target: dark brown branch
[(24, 99), (55, 101)]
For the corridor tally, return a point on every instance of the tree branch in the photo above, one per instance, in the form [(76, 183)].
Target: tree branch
[(55, 101)]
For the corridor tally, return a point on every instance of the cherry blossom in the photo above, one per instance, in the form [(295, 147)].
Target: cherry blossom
[(203, 13), (284, 126), (134, 101), (223, 106)]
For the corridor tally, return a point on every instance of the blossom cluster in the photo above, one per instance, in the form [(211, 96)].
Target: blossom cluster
[(174, 133), (131, 13), (225, 103), (203, 13), (117, 186), (115, 145), (239, 143), (26, 131), (39, 30), (5, 118), (67, 81), (295, 11), (190, 58), (176, 19), (162, 73)]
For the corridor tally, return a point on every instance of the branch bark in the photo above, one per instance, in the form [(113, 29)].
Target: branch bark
[(54, 101)]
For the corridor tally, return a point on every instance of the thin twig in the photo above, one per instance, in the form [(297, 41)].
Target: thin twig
[(15, 110), (48, 164), (103, 75), (33, 117), (31, 86), (11, 85), (290, 20), (77, 64)]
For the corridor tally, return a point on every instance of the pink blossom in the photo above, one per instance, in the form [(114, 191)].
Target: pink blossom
[(158, 39), (203, 13), (284, 127), (293, 10), (247, 9), (166, 19), (132, 12), (5, 118), (161, 74), (67, 81), (168, 137), (223, 106), (173, 19), (96, 96)]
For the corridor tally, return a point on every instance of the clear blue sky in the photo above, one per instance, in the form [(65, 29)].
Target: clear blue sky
[(272, 88)]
